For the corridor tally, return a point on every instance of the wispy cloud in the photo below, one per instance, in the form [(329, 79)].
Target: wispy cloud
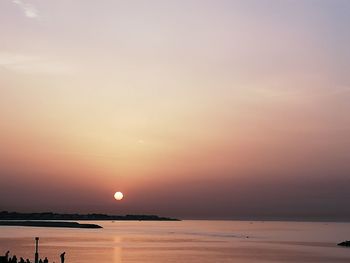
[(306, 93), (29, 10), (29, 64)]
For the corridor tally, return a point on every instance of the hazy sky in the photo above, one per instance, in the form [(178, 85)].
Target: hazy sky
[(211, 109)]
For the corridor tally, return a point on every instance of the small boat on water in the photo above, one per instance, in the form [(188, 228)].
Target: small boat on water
[(345, 243)]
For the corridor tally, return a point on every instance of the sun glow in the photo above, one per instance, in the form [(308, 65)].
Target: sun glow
[(118, 196)]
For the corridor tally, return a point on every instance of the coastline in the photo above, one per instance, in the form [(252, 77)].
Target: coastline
[(9, 216), (61, 224)]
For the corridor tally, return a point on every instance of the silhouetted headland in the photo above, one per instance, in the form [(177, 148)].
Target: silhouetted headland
[(48, 224), (4, 215), (345, 243)]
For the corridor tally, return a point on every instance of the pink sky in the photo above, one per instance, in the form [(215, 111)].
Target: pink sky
[(191, 108)]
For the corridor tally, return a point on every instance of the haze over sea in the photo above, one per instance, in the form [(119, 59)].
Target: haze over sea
[(185, 241), (193, 109)]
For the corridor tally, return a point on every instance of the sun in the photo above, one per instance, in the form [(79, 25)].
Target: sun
[(118, 196)]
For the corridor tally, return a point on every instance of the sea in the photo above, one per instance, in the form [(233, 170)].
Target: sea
[(196, 241)]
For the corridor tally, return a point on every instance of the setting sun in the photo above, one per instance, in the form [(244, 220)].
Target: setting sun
[(118, 196)]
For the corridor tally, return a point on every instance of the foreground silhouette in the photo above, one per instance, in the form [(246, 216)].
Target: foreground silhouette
[(13, 259)]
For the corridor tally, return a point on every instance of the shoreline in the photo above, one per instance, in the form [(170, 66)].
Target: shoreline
[(60, 224), (9, 216)]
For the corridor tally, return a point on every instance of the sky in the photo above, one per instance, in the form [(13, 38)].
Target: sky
[(192, 109)]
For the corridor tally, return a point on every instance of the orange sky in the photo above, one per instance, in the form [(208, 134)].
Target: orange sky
[(191, 108)]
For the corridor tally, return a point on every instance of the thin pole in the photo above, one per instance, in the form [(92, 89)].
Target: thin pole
[(36, 250)]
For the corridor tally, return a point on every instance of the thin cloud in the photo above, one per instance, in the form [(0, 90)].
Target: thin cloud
[(29, 64), (29, 10)]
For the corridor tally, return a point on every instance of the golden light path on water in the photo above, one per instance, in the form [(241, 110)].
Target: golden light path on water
[(200, 241)]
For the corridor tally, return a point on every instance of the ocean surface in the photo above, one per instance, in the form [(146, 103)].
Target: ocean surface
[(185, 241)]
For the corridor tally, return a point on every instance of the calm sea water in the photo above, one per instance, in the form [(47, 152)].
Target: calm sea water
[(185, 241)]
